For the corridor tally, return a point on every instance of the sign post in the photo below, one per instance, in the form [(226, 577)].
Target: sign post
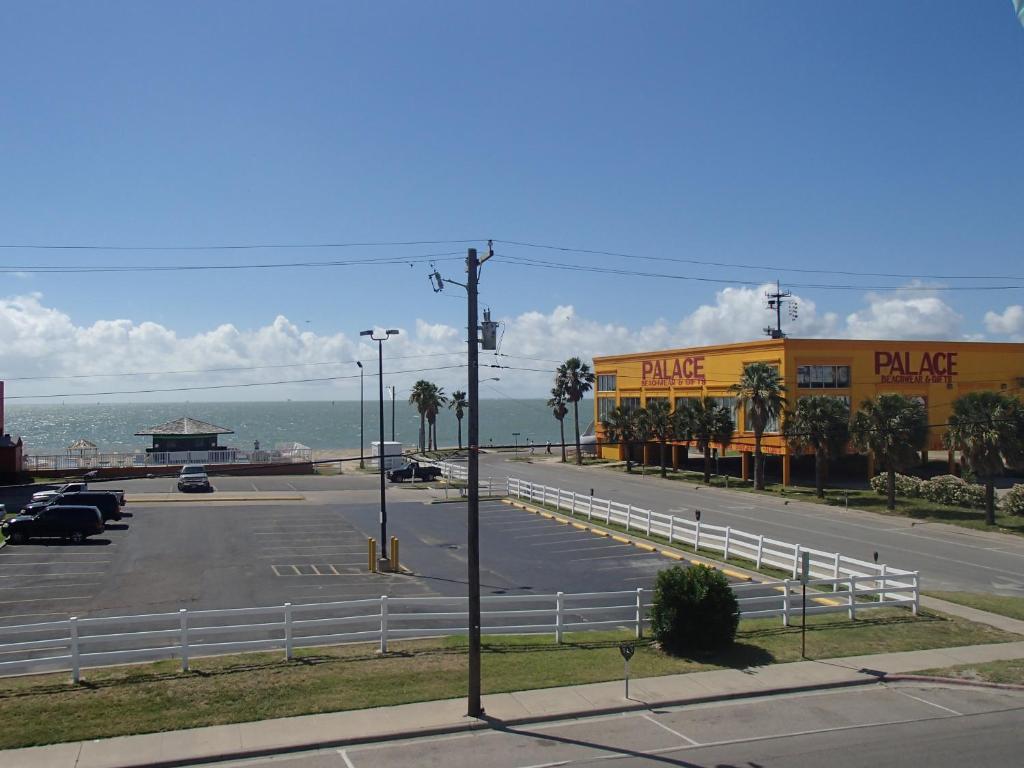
[(627, 650), (805, 573)]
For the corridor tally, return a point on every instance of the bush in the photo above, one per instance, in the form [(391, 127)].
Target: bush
[(907, 486), (1013, 502), (694, 610), (954, 491)]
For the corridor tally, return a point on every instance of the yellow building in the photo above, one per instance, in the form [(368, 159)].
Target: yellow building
[(936, 371)]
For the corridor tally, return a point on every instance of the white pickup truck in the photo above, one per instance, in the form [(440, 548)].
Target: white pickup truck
[(74, 488)]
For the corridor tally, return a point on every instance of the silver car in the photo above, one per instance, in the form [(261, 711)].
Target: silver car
[(193, 477)]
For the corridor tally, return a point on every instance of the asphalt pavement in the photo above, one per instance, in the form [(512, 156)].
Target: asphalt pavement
[(948, 558)]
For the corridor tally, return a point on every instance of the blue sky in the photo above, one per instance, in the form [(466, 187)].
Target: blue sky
[(873, 136)]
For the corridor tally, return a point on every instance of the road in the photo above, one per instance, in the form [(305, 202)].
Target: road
[(948, 558), (891, 725)]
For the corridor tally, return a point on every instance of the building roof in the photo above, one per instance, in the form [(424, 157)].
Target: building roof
[(186, 425), (82, 445)]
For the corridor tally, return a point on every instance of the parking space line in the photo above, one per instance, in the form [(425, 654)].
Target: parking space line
[(674, 732), (55, 586), (601, 547), (549, 534), (925, 701), (609, 557), (334, 570), (317, 571), (297, 571), (50, 575), (44, 600)]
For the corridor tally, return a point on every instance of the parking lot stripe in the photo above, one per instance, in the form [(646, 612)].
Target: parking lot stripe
[(55, 586), (600, 548), (608, 557), (50, 575), (548, 534), (674, 732), (44, 600), (294, 568)]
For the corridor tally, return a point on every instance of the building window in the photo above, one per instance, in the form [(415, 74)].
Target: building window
[(731, 405), (823, 376), (682, 402), (656, 399), (748, 424), (605, 405), (629, 404), (606, 382)]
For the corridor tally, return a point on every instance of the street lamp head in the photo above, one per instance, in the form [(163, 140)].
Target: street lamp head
[(359, 364), (366, 333), (392, 332), (387, 333)]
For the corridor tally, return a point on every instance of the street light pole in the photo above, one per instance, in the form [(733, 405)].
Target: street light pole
[(362, 465), (472, 478), (392, 413), (380, 448)]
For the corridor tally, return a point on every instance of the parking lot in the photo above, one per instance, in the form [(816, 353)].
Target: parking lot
[(199, 552)]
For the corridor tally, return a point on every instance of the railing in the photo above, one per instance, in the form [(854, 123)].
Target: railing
[(451, 471), (830, 569), (164, 458), (78, 643)]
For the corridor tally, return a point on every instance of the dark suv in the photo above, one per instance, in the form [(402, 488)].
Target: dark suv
[(70, 522), (107, 503)]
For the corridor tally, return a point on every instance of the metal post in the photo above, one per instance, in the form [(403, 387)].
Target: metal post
[(380, 448), (362, 462), (473, 509), (183, 614), (392, 414), (639, 612), (288, 631)]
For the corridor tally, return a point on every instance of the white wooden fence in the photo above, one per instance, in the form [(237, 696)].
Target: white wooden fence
[(831, 569)]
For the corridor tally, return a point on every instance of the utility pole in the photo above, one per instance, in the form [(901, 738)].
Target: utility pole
[(473, 264), (775, 301)]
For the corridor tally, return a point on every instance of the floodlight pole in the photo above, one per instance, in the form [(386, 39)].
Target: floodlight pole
[(380, 448)]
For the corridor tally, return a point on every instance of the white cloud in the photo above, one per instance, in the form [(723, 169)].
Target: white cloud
[(1009, 323), (904, 316)]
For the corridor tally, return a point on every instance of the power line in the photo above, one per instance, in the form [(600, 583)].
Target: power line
[(228, 386), (773, 269), (233, 246), (50, 270), (537, 263)]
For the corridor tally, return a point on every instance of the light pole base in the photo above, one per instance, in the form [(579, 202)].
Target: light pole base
[(384, 565)]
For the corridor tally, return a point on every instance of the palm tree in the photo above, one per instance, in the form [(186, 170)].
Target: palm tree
[(642, 432), (419, 396), (436, 400), (820, 424), (762, 390), (893, 429), (576, 379), (705, 422), (986, 427), (459, 404), (557, 405), (620, 427), (659, 415)]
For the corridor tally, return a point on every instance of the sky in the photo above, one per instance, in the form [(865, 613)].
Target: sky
[(764, 138)]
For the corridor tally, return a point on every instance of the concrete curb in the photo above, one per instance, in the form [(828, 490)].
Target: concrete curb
[(908, 678)]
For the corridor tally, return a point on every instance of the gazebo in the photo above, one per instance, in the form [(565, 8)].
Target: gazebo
[(83, 449), (184, 434)]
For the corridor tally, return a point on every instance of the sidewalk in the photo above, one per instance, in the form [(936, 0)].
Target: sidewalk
[(435, 717)]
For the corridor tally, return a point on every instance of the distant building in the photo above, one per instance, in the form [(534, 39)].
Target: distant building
[(184, 434), (83, 449)]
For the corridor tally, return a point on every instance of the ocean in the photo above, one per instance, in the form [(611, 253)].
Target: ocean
[(51, 428)]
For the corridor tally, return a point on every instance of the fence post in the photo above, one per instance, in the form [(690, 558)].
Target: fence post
[(383, 623), (558, 616), (917, 595), (696, 538), (288, 631), (639, 613), (183, 615), (649, 514), (852, 603), (760, 551), (572, 502), (835, 573), (728, 534), (785, 602), (796, 560), (608, 511), (881, 595), (76, 669), (590, 508), (671, 528)]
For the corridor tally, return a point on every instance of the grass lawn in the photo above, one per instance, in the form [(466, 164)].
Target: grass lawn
[(1004, 606), (990, 672), (156, 697), (856, 498)]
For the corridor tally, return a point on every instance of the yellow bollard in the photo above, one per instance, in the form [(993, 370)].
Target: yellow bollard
[(394, 554), (372, 546)]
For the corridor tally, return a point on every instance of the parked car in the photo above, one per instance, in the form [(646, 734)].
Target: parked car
[(76, 488), (72, 522), (413, 471), (105, 501), (193, 477)]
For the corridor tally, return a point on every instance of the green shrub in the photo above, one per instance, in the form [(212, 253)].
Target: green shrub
[(907, 486), (1013, 502), (954, 491), (694, 610)]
